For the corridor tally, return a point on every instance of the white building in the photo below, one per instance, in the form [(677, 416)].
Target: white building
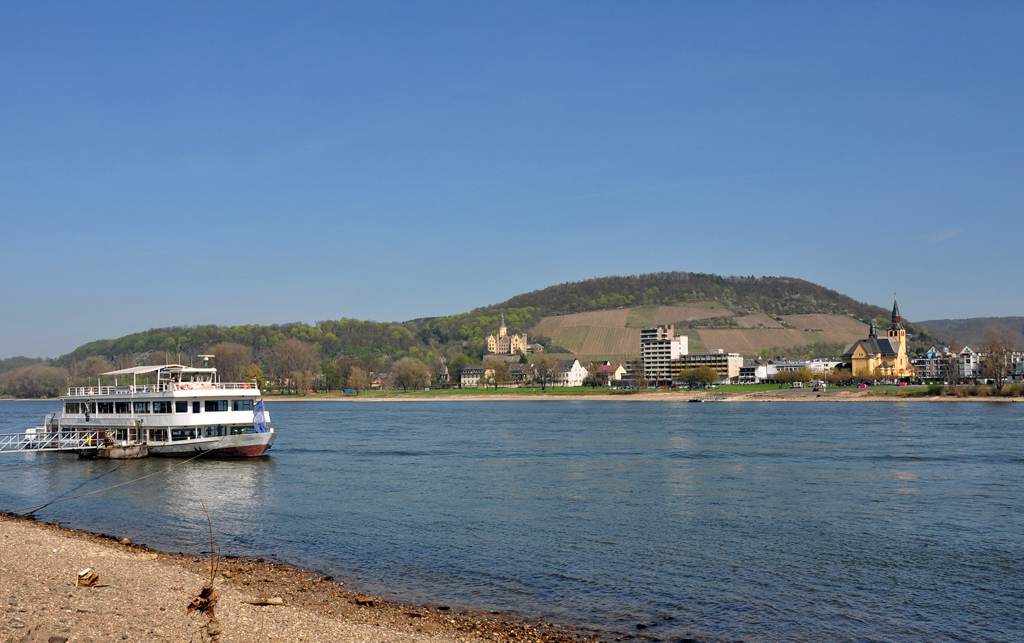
[(969, 361), (471, 375), (568, 372), (659, 345)]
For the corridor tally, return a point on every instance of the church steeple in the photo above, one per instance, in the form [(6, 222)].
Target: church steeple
[(502, 331), (897, 321)]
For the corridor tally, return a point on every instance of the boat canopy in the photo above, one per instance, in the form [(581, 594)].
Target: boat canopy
[(176, 368)]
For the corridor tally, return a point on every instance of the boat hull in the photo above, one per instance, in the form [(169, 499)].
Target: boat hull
[(250, 445)]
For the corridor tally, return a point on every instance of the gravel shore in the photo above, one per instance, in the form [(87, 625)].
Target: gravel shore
[(142, 595)]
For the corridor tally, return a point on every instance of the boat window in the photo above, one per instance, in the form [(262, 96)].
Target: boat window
[(195, 407), (215, 431), (216, 405), (88, 407), (71, 407), (161, 407), (120, 407), (121, 434), (104, 407), (241, 405), (181, 406), (141, 407), (158, 435), (237, 430), (182, 434)]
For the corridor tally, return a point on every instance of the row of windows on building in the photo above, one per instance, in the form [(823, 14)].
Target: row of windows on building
[(180, 406)]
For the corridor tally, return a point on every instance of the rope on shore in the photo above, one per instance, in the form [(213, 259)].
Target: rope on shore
[(33, 509)]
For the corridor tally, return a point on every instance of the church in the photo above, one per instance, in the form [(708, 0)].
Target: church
[(881, 356), (505, 344)]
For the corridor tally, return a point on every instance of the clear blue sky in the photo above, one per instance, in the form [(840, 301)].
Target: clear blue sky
[(166, 164)]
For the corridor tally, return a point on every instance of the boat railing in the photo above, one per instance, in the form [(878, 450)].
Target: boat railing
[(79, 391), (40, 440)]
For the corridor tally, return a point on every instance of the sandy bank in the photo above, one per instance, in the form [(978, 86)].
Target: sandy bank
[(142, 595)]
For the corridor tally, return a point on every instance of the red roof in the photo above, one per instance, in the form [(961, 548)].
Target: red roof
[(608, 368)]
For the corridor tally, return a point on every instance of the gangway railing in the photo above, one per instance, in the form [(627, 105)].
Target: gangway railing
[(40, 440)]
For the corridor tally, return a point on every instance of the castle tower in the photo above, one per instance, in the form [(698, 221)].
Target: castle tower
[(502, 331)]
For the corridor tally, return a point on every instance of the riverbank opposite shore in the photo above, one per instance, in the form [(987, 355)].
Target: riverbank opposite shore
[(142, 595), (732, 393)]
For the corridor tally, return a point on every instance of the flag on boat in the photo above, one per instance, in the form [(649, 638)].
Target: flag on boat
[(259, 422)]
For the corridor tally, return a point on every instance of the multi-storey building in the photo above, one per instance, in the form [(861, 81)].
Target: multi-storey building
[(658, 347), (727, 365)]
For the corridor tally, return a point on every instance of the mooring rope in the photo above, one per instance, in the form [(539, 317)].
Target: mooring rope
[(33, 509)]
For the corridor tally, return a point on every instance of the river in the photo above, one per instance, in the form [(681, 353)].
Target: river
[(760, 522)]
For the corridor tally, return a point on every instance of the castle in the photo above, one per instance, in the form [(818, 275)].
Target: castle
[(885, 356), (505, 344)]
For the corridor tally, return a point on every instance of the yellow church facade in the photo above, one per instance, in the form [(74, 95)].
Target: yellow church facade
[(881, 356), (505, 344)]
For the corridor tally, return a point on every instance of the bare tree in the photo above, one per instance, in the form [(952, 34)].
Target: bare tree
[(294, 363), (232, 360), (409, 372), (996, 352), (951, 366), (544, 371), (358, 379), (497, 372)]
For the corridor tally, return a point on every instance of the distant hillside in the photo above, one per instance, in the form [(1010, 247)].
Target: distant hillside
[(779, 295), (595, 317), (972, 331)]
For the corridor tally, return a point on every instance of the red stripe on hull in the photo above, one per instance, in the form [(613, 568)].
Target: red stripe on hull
[(241, 452)]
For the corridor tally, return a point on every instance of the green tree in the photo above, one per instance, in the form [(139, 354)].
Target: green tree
[(255, 373), (455, 368)]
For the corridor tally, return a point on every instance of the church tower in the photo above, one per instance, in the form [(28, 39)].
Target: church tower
[(502, 331), (899, 333), (896, 329)]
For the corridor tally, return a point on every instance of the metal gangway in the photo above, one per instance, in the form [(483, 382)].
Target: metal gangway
[(52, 436)]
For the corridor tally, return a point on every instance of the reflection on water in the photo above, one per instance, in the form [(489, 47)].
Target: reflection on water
[(734, 521)]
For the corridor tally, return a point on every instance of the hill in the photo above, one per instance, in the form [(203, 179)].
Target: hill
[(595, 318), (972, 331)]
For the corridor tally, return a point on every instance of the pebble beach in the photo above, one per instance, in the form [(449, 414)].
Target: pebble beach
[(143, 595)]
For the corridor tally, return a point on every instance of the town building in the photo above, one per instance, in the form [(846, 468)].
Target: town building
[(505, 344), (520, 373), (969, 363), (932, 365), (881, 356), (568, 372), (471, 375), (659, 345), (611, 372), (727, 365)]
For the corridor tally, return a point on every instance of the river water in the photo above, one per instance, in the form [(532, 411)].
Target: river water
[(760, 522)]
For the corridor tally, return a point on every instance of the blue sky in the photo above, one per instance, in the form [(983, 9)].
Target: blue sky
[(168, 164)]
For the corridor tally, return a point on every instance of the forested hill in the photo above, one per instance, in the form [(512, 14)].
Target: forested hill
[(770, 295), (377, 344), (465, 332)]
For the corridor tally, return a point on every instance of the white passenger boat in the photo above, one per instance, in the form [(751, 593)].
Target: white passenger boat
[(184, 411)]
